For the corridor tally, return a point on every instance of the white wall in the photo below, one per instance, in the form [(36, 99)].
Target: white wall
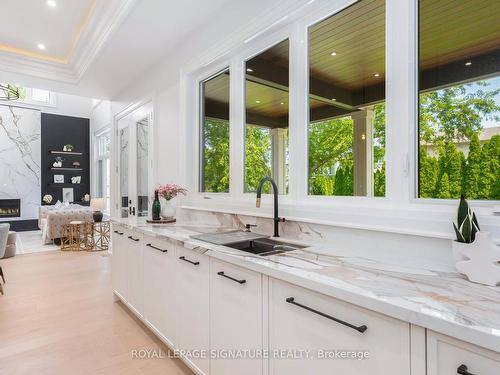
[(100, 116), (66, 105)]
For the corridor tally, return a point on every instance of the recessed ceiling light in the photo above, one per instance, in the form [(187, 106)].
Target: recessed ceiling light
[(249, 70), (468, 63), (41, 46), (51, 3), (376, 75), (257, 101), (333, 99), (333, 54), (282, 103)]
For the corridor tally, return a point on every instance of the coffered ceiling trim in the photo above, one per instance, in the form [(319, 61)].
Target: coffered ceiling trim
[(101, 20)]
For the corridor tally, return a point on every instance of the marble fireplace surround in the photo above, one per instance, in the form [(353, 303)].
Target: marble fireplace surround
[(20, 150)]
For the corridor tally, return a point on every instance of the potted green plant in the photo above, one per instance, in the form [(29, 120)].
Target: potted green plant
[(68, 147), (474, 252)]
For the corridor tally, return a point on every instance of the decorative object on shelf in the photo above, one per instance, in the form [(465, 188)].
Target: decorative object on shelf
[(9, 92), (76, 164), (59, 179), (47, 198), (68, 147), (97, 205), (68, 195), (168, 192), (156, 208), (58, 162), (76, 180), (86, 198), (475, 253)]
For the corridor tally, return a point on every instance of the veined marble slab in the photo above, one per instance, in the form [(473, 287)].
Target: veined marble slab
[(20, 154), (441, 301)]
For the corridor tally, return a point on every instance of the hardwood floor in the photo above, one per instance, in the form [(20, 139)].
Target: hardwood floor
[(58, 317)]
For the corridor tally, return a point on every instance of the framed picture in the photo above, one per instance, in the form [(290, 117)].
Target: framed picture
[(59, 179), (68, 195)]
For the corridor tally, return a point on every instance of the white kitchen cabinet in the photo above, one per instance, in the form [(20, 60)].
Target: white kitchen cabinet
[(446, 355), (134, 271), (160, 266), (235, 319), (301, 320), (119, 262), (192, 301)]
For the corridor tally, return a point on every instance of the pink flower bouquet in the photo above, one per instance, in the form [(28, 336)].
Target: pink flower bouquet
[(170, 191)]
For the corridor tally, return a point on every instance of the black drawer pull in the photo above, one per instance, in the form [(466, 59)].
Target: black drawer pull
[(462, 370), (156, 248), (361, 329), (189, 261), (120, 233), (133, 239), (221, 273)]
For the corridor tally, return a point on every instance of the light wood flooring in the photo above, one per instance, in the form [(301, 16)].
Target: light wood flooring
[(58, 317)]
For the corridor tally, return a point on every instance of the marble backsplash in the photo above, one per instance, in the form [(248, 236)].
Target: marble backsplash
[(20, 148), (359, 245)]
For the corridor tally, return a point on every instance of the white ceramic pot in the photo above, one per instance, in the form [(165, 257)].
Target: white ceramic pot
[(167, 210), (480, 260)]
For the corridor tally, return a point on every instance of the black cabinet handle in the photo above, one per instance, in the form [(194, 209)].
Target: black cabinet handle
[(157, 248), (120, 233), (133, 239), (462, 370), (189, 261), (361, 329), (221, 273)]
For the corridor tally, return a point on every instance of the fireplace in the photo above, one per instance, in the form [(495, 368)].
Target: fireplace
[(10, 208)]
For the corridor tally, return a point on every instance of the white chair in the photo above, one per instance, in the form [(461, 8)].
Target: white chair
[(4, 234)]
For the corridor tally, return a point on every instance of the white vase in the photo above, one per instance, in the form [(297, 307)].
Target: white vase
[(167, 209), (480, 260)]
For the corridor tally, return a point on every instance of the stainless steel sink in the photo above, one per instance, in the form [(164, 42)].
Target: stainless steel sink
[(264, 246)]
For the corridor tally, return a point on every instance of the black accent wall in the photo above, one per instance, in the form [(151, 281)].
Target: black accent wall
[(56, 131)]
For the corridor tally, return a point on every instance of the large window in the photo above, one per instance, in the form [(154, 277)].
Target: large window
[(215, 134), (459, 99), (347, 102), (266, 130), (35, 96)]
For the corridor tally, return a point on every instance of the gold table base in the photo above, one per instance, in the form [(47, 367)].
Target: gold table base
[(84, 236)]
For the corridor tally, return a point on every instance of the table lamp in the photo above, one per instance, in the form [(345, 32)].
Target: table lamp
[(97, 205)]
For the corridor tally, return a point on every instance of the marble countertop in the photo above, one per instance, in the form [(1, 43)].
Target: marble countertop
[(442, 301)]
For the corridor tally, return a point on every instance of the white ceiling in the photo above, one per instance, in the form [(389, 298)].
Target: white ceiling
[(117, 40), (29, 22)]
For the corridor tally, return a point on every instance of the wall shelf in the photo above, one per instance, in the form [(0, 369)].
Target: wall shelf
[(66, 152), (65, 184), (66, 169)]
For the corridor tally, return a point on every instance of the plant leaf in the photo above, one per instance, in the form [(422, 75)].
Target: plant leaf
[(467, 229), (463, 210), (460, 238)]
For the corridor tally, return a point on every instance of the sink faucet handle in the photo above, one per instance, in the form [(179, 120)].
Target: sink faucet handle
[(249, 226)]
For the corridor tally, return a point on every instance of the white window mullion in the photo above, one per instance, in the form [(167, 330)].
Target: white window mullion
[(400, 94), (298, 112), (236, 127)]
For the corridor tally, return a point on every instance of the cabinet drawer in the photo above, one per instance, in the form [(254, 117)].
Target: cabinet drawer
[(446, 355), (334, 333), (235, 318)]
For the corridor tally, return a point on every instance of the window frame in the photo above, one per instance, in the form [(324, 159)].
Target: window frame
[(105, 158), (424, 217)]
